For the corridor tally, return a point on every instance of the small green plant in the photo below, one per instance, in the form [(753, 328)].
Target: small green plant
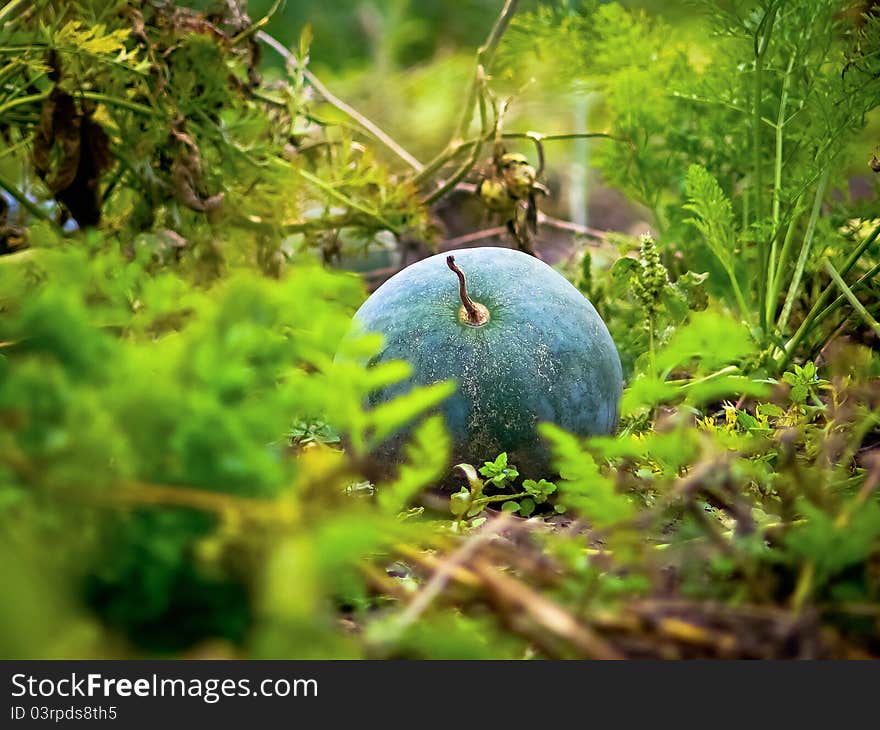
[(470, 501), (805, 384), (499, 473), (305, 432)]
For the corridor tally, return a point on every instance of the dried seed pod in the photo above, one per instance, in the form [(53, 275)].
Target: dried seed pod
[(495, 195), (519, 175)]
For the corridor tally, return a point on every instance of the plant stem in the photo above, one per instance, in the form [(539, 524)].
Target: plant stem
[(780, 138), (822, 301), (23, 142), (485, 54), (853, 300), (456, 147), (784, 255), (132, 106), (866, 277), (543, 220), (685, 383), (762, 42), (90, 95), (804, 586), (804, 253), (22, 100), (323, 223), (29, 205), (349, 111), (777, 193), (740, 299), (254, 27), (576, 228), (342, 198), (445, 156), (468, 165), (756, 165), (499, 498), (473, 313), (10, 69), (540, 137), (475, 236), (10, 8), (457, 176)]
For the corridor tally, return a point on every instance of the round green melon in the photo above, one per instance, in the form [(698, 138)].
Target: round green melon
[(523, 345)]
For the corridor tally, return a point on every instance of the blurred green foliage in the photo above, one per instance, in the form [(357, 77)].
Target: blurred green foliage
[(106, 406), (399, 33)]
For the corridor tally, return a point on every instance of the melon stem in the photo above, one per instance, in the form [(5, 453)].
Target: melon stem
[(472, 313)]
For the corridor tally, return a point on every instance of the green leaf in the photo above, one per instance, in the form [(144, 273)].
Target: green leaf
[(94, 40), (498, 472), (460, 502), (526, 507), (747, 421), (711, 338), (393, 415), (690, 286), (305, 41), (769, 409), (726, 386), (540, 491), (474, 482), (799, 393), (491, 468), (713, 213), (583, 487), (647, 391), (622, 272), (832, 548), (317, 431)]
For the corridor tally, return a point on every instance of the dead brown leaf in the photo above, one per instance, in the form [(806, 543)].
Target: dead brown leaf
[(71, 151)]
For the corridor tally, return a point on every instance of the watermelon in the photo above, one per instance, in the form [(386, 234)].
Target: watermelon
[(523, 345)]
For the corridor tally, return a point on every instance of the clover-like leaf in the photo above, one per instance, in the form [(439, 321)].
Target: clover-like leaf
[(499, 472), (539, 491), (526, 507)]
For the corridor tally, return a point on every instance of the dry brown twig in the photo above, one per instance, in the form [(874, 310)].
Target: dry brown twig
[(369, 126), (543, 220), (513, 597), (445, 571)]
